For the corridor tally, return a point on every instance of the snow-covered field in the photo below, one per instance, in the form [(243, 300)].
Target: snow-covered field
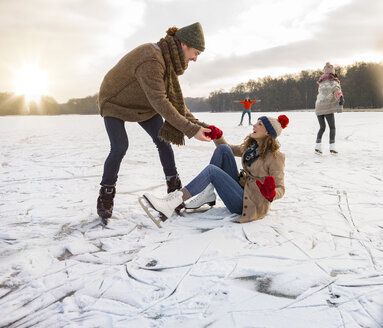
[(316, 260)]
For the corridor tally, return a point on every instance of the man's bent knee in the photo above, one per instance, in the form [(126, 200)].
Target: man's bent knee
[(119, 151)]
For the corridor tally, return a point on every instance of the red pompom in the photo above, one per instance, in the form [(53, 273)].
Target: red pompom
[(284, 120)]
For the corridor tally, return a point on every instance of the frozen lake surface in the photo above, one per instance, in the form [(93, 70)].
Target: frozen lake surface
[(316, 260)]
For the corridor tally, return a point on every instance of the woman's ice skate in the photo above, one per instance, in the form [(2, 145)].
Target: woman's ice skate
[(164, 206), (207, 196)]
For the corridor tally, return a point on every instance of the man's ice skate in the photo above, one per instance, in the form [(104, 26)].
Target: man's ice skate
[(207, 196), (165, 206), (105, 203)]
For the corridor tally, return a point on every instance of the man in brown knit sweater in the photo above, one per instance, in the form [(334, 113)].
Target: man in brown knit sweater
[(143, 87)]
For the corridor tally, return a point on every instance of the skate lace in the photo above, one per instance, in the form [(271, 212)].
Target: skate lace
[(107, 203), (172, 196), (198, 198)]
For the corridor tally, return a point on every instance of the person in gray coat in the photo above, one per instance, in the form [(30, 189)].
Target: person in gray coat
[(329, 101)]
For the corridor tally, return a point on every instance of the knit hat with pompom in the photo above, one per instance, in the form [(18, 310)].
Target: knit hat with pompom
[(274, 126), (328, 68)]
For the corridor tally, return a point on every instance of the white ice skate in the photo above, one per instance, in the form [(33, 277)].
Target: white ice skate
[(165, 206), (206, 196), (332, 149), (318, 148)]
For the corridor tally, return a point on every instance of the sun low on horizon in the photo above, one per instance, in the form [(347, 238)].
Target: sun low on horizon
[(32, 82)]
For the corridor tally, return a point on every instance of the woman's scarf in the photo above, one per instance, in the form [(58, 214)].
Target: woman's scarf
[(328, 77), (251, 154)]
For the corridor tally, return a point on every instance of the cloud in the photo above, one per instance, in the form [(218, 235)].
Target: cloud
[(352, 31), (78, 41)]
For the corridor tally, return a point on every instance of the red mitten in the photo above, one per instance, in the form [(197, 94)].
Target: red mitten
[(267, 188), (215, 133)]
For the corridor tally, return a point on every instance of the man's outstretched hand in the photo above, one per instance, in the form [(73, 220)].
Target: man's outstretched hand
[(201, 134)]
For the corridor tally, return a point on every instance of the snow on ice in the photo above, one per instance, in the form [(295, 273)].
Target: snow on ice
[(316, 260)]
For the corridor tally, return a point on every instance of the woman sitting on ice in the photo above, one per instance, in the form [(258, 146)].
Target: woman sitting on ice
[(251, 192)]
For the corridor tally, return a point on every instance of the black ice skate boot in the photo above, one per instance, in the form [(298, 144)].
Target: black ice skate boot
[(105, 203), (174, 184)]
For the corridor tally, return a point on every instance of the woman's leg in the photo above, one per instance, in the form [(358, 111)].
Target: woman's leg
[(228, 189), (330, 118), (322, 128), (119, 144), (223, 158), (165, 151)]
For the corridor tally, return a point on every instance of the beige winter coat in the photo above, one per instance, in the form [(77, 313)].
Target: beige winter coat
[(255, 206), (134, 90), (327, 102)]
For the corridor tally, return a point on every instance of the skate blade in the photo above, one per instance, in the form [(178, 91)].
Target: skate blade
[(211, 204), (203, 206), (142, 200)]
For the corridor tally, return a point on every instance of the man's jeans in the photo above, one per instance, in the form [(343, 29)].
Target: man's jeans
[(222, 172), (119, 144)]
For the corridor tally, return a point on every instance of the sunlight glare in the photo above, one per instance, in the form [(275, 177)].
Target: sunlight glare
[(31, 82)]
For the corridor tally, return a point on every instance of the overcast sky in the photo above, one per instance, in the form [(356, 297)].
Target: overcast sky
[(76, 42)]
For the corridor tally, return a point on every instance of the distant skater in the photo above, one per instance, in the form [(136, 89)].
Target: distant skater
[(329, 101), (246, 108)]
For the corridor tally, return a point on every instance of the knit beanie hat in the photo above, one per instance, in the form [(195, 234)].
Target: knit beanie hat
[(192, 35), (274, 126), (329, 68)]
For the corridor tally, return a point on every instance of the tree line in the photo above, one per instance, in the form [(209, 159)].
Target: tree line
[(11, 104), (362, 85)]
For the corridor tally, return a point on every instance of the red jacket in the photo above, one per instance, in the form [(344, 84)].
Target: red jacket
[(247, 104)]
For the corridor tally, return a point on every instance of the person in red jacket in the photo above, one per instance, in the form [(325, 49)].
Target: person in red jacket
[(246, 108)]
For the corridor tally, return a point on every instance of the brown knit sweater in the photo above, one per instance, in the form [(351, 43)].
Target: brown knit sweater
[(134, 90)]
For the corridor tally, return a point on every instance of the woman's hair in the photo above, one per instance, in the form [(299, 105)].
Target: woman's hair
[(269, 145), (172, 30)]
